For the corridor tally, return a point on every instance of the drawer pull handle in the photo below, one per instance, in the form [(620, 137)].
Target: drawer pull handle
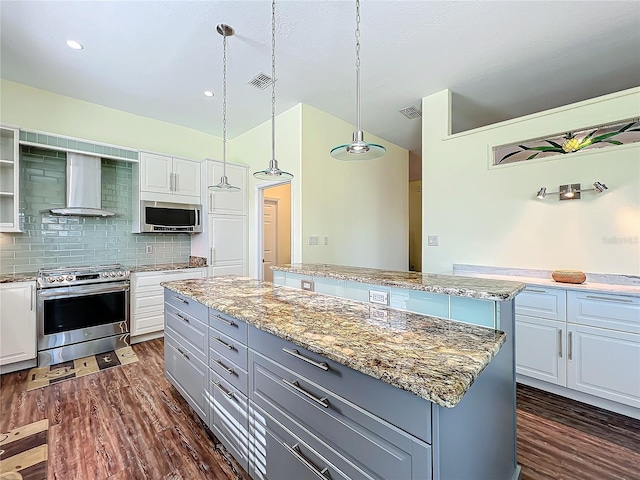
[(182, 353), (570, 346), (295, 451), (296, 386), (181, 299), (222, 342), (535, 291), (609, 299), (183, 318), (296, 353), (224, 320), (560, 343), (230, 371), (219, 386)]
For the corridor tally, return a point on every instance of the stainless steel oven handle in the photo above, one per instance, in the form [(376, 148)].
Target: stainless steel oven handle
[(79, 290)]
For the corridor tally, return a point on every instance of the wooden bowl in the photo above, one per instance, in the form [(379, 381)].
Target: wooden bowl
[(568, 276)]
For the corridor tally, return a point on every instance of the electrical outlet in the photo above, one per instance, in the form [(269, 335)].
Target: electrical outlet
[(376, 296), (326, 240), (149, 249), (432, 240), (313, 240), (379, 314), (306, 285)]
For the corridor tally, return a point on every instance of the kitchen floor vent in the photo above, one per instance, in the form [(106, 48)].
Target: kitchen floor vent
[(411, 112), (261, 81)]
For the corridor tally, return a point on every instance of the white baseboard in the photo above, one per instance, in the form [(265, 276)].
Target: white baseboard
[(146, 337), (616, 407)]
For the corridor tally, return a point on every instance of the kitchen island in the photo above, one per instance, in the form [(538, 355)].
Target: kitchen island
[(296, 382)]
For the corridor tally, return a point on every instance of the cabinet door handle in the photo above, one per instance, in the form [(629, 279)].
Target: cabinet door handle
[(222, 342), (171, 182), (560, 343), (224, 320), (32, 292), (296, 386), (296, 353), (230, 371), (535, 291), (210, 202), (609, 299), (570, 346), (176, 177), (219, 386), (182, 353), (181, 299), (295, 451), (181, 317)]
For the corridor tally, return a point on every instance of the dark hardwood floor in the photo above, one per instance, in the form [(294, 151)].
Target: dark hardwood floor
[(129, 423)]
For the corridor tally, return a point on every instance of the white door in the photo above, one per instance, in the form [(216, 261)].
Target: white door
[(155, 173), (232, 203), (605, 363), (186, 177), (17, 322), (270, 242), (541, 349), (228, 247)]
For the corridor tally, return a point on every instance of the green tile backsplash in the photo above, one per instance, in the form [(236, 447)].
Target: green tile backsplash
[(50, 241)]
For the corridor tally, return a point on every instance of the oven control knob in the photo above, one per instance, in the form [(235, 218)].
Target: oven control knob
[(120, 274), (112, 274), (48, 279), (104, 274), (69, 278), (59, 279)]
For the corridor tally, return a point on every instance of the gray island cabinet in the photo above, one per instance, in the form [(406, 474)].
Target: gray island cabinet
[(301, 385)]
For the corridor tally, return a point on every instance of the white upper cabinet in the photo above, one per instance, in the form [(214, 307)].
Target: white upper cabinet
[(169, 179), (227, 203), (9, 154)]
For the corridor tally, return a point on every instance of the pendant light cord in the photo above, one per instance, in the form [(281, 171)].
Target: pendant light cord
[(224, 105), (273, 80), (358, 63)]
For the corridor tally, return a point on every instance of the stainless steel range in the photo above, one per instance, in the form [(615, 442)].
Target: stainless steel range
[(81, 311)]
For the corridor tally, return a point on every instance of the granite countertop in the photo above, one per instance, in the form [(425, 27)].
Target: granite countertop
[(482, 288), (604, 283), (433, 358), (18, 277), (160, 266)]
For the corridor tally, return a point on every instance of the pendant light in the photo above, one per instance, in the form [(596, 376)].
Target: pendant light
[(224, 186), (273, 172), (358, 149)]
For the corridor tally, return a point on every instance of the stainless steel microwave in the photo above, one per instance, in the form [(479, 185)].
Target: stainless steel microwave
[(165, 217)]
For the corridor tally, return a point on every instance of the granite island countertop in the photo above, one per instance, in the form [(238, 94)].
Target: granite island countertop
[(482, 288), (436, 359)]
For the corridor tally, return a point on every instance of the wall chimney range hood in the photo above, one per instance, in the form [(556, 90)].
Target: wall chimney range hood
[(84, 188)]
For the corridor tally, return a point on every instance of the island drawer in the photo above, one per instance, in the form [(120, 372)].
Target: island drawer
[(188, 374), (186, 304), (278, 454), (374, 445), (229, 417), (232, 373), (228, 325), (189, 329), (615, 312), (414, 417), (227, 348)]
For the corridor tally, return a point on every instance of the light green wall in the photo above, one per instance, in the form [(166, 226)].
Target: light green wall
[(362, 206), (35, 109), (253, 148), (490, 216)]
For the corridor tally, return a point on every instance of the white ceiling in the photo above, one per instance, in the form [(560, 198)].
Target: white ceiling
[(502, 59)]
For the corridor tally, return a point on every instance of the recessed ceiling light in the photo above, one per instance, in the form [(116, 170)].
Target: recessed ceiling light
[(208, 93), (75, 45)]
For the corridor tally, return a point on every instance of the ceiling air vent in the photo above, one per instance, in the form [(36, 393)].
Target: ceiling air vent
[(261, 81), (411, 112)]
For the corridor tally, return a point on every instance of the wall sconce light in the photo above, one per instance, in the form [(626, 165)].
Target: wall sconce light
[(571, 191)]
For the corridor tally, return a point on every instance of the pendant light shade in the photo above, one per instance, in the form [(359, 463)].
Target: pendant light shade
[(273, 172), (224, 186), (358, 149)]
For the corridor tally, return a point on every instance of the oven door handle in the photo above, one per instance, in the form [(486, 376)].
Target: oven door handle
[(79, 290)]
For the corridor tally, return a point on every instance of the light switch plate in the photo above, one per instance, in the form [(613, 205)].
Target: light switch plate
[(379, 297), (313, 240), (432, 240)]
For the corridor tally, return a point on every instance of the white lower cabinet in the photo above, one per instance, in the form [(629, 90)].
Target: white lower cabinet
[(590, 345), (17, 322), (147, 297), (541, 347), (604, 363)]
